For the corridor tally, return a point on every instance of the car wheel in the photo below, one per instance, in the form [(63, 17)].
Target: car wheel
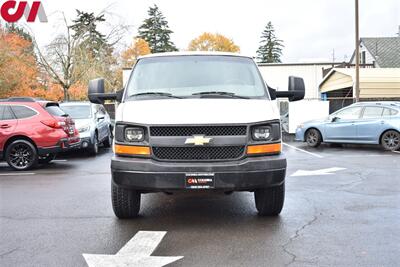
[(47, 158), (21, 155), (108, 142), (94, 148), (269, 201), (313, 138), (390, 140), (125, 202)]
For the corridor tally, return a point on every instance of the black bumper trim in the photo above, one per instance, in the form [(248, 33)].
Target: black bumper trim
[(248, 174)]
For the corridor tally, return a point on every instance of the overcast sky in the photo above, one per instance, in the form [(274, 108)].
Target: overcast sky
[(310, 29)]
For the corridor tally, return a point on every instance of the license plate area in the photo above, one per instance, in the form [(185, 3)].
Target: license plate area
[(200, 180)]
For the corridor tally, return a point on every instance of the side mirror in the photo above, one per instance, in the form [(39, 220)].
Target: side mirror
[(96, 92), (296, 89), (335, 119)]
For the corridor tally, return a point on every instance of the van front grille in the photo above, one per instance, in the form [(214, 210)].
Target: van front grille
[(198, 130), (198, 153)]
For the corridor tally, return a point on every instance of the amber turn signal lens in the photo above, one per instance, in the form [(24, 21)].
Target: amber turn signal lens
[(264, 149), (132, 150)]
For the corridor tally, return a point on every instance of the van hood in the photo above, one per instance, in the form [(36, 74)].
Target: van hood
[(197, 111)]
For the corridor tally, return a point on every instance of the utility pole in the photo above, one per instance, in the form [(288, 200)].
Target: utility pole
[(357, 56)]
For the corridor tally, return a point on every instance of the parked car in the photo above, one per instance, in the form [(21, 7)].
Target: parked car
[(359, 123), (33, 132), (93, 124), (197, 121)]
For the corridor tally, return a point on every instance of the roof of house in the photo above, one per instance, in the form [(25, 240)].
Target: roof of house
[(384, 50)]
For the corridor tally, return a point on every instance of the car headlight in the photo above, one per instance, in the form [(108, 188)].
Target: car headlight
[(84, 129), (261, 133), (134, 134)]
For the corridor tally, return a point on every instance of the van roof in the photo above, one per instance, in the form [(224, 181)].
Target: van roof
[(194, 53)]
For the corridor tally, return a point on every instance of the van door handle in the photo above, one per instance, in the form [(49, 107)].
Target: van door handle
[(5, 126)]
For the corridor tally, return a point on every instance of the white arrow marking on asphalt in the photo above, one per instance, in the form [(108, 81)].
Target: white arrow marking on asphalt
[(327, 171), (137, 252)]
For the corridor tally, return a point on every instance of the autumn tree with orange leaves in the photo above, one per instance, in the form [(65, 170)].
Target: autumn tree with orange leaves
[(18, 69), (213, 42), (138, 48)]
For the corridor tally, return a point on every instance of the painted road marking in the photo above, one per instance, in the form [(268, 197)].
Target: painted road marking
[(59, 160), (304, 151), (17, 174), (398, 152), (327, 171), (137, 252)]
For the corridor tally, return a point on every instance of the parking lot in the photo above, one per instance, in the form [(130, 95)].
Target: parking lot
[(341, 208)]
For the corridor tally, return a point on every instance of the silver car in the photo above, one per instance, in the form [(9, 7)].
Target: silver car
[(93, 124)]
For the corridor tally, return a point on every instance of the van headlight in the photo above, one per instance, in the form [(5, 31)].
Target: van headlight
[(261, 133), (134, 134)]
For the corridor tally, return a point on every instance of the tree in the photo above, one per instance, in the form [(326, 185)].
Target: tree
[(213, 42), (18, 69), (81, 53), (138, 48), (155, 31), (270, 50)]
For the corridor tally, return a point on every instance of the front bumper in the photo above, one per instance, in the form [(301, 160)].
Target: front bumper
[(63, 145), (299, 134), (244, 175)]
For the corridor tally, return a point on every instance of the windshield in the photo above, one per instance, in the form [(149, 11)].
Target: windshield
[(77, 112), (195, 76)]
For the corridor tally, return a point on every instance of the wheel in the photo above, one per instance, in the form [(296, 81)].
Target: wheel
[(269, 201), (125, 202), (21, 155), (313, 138), (47, 158), (108, 142), (390, 140), (94, 148)]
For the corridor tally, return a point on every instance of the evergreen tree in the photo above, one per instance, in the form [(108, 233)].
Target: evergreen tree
[(156, 33), (270, 50), (85, 29), (14, 28)]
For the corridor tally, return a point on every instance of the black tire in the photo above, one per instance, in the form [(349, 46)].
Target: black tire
[(269, 201), (46, 159), (108, 142), (313, 138), (125, 202), (21, 155), (94, 148), (390, 140)]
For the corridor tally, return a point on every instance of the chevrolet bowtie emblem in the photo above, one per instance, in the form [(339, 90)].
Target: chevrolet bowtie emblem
[(198, 140)]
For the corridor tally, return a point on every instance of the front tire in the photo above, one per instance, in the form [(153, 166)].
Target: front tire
[(125, 202), (94, 148), (108, 142), (390, 140), (313, 138), (269, 201), (21, 155)]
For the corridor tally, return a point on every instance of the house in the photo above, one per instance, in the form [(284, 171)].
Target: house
[(382, 52), (375, 84)]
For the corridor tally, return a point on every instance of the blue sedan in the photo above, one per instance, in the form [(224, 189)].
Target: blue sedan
[(359, 123)]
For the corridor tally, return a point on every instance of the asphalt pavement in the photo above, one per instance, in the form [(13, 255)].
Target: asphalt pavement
[(342, 208)]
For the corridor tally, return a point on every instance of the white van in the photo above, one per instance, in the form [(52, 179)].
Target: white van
[(197, 121)]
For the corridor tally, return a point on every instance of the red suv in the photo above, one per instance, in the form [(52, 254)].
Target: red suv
[(33, 131)]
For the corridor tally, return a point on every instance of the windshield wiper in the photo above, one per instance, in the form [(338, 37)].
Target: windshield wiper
[(233, 95), (156, 94)]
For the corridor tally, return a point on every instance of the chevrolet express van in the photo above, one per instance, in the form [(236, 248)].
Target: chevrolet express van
[(197, 121)]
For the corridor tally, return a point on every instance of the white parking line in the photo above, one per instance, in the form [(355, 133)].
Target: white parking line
[(17, 174), (304, 151), (59, 160), (398, 152)]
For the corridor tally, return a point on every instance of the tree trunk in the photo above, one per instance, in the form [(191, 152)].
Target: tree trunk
[(66, 95)]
